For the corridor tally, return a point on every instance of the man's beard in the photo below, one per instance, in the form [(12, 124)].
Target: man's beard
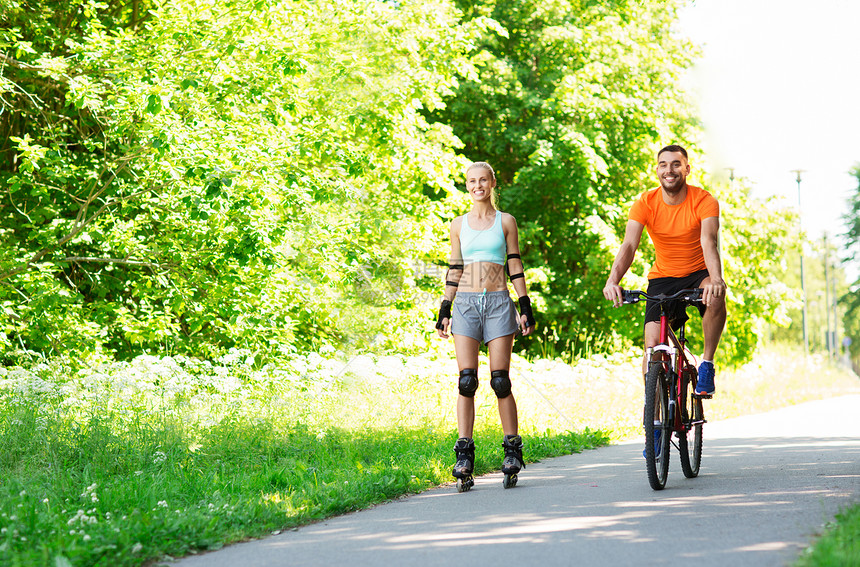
[(675, 187)]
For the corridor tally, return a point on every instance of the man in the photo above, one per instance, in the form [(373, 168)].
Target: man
[(684, 223)]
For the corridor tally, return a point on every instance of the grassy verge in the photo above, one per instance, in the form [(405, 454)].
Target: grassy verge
[(129, 462), (95, 497), (840, 546)]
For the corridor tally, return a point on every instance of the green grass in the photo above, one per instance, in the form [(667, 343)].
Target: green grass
[(97, 497), (127, 463), (839, 546)]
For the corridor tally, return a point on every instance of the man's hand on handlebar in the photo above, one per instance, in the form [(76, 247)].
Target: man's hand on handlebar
[(612, 292), (713, 291)]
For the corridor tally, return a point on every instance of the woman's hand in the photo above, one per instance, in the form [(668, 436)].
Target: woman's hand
[(443, 332), (524, 325), (444, 319)]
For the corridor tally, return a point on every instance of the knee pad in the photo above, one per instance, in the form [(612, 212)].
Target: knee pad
[(468, 382), (501, 383)]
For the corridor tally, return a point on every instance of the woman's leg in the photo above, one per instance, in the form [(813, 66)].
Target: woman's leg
[(467, 357), (500, 359)]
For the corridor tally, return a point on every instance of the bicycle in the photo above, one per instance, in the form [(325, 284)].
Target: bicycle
[(670, 383)]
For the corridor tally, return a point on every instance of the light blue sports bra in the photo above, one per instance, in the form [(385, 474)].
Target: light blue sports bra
[(483, 245)]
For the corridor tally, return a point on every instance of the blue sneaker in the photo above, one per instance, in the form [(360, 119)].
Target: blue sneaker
[(656, 444), (705, 384)]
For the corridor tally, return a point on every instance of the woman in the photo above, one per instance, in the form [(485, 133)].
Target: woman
[(482, 243)]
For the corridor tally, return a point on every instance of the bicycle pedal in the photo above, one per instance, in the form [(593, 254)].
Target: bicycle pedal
[(703, 396)]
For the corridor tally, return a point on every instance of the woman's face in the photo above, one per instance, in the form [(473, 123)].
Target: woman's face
[(480, 183)]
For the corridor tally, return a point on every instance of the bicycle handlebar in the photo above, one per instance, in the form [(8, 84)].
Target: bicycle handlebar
[(634, 296)]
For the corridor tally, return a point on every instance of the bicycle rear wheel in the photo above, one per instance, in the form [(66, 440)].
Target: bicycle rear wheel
[(657, 420), (690, 447)]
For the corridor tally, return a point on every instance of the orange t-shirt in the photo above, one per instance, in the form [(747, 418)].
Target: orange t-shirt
[(675, 230)]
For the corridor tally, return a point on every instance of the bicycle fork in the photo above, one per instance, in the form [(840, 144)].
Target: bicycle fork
[(673, 376), (668, 361)]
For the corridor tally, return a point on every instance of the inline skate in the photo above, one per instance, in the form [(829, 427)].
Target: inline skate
[(465, 451), (513, 445)]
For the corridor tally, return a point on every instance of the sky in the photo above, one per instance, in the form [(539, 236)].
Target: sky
[(779, 90)]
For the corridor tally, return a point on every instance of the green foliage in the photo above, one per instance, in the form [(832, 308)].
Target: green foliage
[(840, 545), (850, 300), (239, 173), (852, 219)]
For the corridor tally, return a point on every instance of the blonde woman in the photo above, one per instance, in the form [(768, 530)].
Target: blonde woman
[(484, 242)]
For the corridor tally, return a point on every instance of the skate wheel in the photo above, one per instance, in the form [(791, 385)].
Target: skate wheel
[(464, 484), (510, 481)]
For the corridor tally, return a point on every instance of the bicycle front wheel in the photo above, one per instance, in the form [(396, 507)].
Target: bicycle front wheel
[(690, 446), (657, 427)]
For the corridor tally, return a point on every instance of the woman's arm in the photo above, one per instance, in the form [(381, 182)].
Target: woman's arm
[(452, 280), (516, 270), (455, 262)]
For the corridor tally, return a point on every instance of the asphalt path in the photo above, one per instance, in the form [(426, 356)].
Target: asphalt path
[(767, 485)]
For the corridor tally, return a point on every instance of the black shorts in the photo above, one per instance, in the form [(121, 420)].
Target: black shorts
[(676, 310)]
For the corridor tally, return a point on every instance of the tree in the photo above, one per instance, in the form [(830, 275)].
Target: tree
[(850, 300), (240, 173)]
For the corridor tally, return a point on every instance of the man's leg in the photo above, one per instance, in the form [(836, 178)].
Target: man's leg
[(713, 323), (652, 336)]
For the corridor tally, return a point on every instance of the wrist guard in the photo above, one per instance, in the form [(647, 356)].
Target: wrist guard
[(526, 309), (444, 313)]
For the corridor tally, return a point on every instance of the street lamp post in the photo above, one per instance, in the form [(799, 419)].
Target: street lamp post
[(802, 279)]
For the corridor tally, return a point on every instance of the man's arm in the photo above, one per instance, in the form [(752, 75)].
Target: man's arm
[(623, 260), (711, 247)]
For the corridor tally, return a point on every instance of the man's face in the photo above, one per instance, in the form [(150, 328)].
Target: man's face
[(672, 170)]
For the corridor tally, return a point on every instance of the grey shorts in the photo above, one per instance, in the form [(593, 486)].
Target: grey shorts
[(484, 316)]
